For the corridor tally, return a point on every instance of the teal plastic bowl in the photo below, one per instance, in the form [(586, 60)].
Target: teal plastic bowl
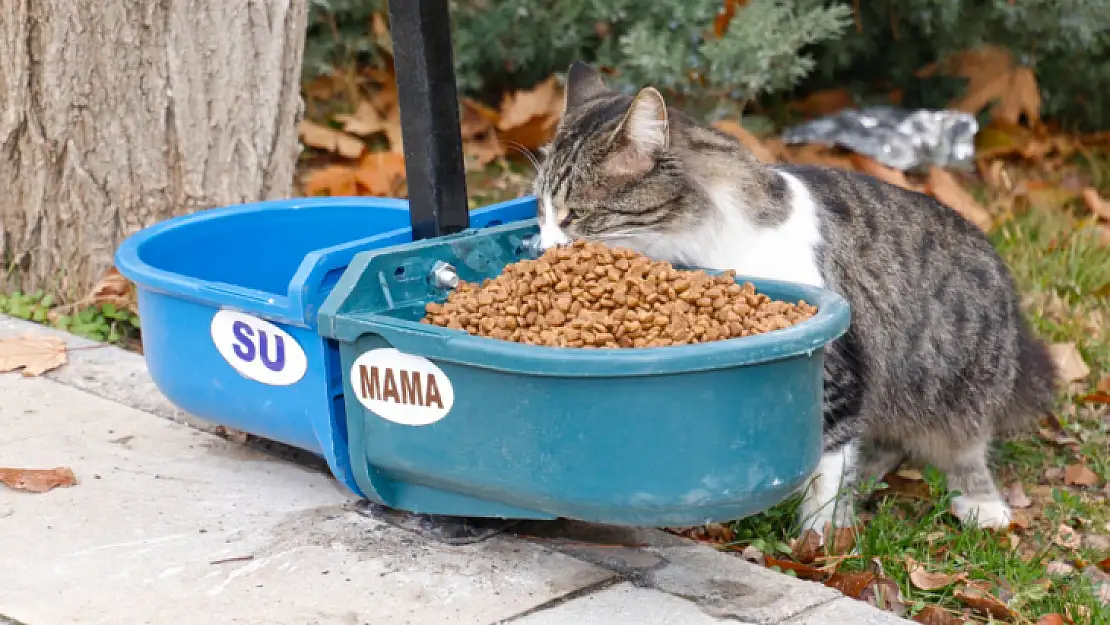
[(441, 422)]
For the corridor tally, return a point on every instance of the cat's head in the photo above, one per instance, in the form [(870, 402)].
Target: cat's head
[(611, 173)]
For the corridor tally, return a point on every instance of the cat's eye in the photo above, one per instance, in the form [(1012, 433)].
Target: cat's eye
[(571, 216)]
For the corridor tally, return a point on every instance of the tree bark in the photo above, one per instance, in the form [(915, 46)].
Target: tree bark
[(116, 114)]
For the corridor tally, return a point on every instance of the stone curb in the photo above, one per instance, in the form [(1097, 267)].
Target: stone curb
[(723, 588)]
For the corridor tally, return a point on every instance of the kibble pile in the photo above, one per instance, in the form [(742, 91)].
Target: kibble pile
[(590, 295)]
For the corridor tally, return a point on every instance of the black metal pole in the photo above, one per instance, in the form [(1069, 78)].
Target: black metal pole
[(425, 68)]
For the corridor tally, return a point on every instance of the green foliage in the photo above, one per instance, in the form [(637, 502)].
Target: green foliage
[(772, 47), (31, 307), (340, 36), (760, 53), (99, 323)]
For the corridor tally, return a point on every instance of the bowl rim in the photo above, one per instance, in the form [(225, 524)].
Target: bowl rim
[(440, 344)]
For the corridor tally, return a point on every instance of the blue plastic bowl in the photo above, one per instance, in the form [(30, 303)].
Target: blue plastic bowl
[(442, 422), (228, 299)]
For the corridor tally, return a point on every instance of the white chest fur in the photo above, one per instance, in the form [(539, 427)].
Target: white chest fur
[(730, 240)]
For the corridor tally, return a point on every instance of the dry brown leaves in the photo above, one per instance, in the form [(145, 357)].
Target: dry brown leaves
[(35, 355), (1069, 362), (1095, 203), (38, 480), (924, 580), (525, 120), (1080, 475), (935, 615), (978, 597), (993, 77), (943, 186), (750, 141)]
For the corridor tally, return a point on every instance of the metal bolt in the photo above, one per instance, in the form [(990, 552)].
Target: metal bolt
[(444, 276), (531, 246)]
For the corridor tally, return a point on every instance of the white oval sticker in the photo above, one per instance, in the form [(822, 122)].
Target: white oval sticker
[(402, 388), (258, 349)]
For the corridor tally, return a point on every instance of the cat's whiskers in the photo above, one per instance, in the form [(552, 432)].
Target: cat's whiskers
[(528, 154)]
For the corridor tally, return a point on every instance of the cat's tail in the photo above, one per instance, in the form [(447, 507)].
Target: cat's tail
[(1034, 387)]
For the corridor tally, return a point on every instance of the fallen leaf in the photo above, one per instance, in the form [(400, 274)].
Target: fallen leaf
[(874, 168), (333, 180), (1059, 567), (393, 131), (803, 571), (907, 488), (1096, 204), (1051, 619), (753, 555), (483, 152), (817, 154), (851, 584), (38, 480), (364, 122), (754, 145), (34, 354), (1080, 475), (910, 474), (523, 106), (380, 173), (330, 139), (924, 580), (806, 547), (113, 289), (1104, 565), (1067, 537), (1097, 397), (839, 540), (1016, 496), (944, 187), (1069, 362), (476, 119), (934, 615), (720, 532), (992, 78), (983, 601), (884, 593)]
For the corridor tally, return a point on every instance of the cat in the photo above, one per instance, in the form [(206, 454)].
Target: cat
[(939, 360)]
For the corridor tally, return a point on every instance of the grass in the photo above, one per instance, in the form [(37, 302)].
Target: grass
[(1062, 267)]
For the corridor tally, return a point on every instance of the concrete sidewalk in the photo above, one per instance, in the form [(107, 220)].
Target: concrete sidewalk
[(171, 524)]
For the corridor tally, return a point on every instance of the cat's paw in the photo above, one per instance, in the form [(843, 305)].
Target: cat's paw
[(824, 518), (991, 513)]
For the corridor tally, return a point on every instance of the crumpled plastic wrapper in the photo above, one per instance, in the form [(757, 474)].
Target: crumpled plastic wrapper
[(907, 140)]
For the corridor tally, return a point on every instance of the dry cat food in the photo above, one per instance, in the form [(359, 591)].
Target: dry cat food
[(590, 295)]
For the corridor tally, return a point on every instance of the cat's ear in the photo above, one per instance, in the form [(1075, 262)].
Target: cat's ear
[(583, 83), (642, 133), (645, 125)]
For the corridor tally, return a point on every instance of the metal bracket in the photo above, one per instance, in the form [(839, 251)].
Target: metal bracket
[(428, 98)]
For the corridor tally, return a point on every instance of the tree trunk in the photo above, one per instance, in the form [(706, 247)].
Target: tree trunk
[(116, 114)]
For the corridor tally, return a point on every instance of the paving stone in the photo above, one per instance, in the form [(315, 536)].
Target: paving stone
[(623, 604), (729, 587), (847, 611), (168, 524)]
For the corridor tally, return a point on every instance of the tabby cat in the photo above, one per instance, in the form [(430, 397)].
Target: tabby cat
[(938, 361)]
